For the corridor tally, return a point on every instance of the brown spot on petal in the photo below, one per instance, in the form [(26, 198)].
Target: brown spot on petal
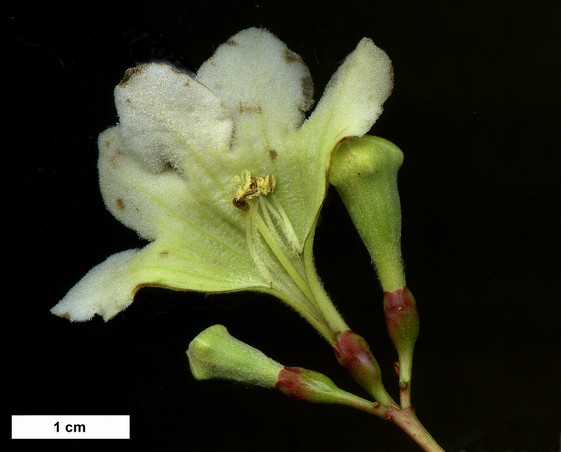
[(233, 139), (116, 157), (130, 74), (120, 204), (308, 91), (164, 253), (168, 166), (272, 154), (231, 42), (187, 83), (291, 57), (251, 109)]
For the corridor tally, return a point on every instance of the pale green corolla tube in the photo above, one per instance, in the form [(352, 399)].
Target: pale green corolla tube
[(364, 171)]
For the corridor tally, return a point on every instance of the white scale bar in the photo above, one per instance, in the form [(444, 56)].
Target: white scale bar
[(71, 427)]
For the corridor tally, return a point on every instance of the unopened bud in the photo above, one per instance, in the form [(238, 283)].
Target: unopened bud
[(364, 172), (402, 321), (215, 354), (354, 354)]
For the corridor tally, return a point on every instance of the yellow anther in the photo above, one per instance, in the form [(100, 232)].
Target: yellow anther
[(252, 187)]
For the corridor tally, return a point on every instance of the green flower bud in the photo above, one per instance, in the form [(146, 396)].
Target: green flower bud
[(364, 172), (215, 354)]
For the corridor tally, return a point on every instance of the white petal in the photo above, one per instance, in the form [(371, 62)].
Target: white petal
[(353, 99), (351, 103), (168, 118), (266, 86), (142, 200), (106, 290), (109, 288), (200, 242)]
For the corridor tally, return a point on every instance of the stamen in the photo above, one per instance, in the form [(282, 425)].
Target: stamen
[(284, 260), (251, 234), (287, 225), (269, 226), (266, 210), (270, 233)]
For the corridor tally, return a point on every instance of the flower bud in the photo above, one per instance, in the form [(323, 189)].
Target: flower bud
[(354, 354), (364, 172), (402, 321), (215, 354)]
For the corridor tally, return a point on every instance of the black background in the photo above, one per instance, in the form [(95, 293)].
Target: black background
[(475, 109)]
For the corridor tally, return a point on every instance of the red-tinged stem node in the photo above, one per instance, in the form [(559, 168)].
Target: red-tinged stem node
[(290, 382), (410, 424), (353, 353), (402, 321)]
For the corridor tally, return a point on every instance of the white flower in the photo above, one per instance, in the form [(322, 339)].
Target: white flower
[(225, 176)]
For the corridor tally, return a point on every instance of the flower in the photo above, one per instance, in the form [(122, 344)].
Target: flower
[(225, 176)]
